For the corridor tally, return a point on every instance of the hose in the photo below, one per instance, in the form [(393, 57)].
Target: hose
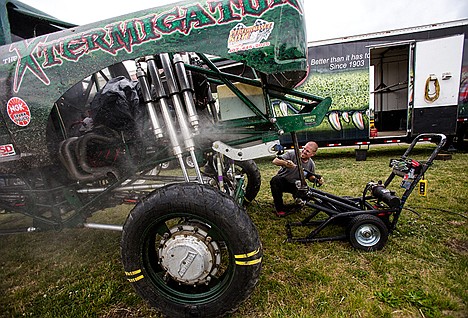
[(437, 209), (434, 96)]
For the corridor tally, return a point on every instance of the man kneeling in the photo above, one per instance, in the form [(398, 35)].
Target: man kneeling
[(285, 180)]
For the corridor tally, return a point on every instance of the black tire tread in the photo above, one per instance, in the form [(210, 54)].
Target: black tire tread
[(195, 197), (363, 219), (254, 179)]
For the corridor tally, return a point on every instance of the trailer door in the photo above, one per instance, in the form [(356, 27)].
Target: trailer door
[(390, 82), (437, 71)]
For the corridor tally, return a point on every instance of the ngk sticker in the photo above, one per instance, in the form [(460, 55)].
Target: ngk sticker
[(18, 111), (7, 150)]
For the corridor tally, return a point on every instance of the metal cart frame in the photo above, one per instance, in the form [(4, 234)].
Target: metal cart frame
[(369, 219)]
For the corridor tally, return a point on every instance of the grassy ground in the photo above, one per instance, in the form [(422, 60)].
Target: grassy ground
[(422, 271)]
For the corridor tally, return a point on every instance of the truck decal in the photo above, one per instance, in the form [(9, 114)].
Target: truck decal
[(7, 150), (242, 38), (18, 111), (26, 60), (39, 54)]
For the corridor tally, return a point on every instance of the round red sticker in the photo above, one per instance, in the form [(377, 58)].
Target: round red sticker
[(18, 111)]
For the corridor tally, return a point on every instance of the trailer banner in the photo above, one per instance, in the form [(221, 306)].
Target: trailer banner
[(340, 71)]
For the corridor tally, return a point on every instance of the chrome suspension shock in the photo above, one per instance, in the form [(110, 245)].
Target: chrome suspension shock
[(170, 126), (186, 90), (174, 92), (145, 90)]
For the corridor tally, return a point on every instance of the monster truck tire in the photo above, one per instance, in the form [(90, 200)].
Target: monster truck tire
[(254, 180), (172, 239)]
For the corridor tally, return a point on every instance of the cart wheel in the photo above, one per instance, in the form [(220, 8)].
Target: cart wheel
[(191, 251), (367, 232)]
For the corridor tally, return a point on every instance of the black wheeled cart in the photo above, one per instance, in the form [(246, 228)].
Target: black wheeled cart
[(367, 220)]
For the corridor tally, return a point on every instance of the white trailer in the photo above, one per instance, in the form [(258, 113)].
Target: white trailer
[(391, 86)]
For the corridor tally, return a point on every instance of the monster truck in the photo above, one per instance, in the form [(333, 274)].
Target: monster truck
[(90, 112)]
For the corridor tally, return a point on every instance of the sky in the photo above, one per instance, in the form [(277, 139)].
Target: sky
[(325, 19)]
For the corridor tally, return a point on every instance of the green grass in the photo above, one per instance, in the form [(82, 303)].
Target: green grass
[(421, 272)]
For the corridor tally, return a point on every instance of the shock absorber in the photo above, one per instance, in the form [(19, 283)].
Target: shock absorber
[(178, 106), (145, 91), (219, 168), (186, 91), (162, 98)]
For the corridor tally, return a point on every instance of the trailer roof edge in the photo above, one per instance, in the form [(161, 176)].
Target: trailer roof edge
[(380, 34)]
